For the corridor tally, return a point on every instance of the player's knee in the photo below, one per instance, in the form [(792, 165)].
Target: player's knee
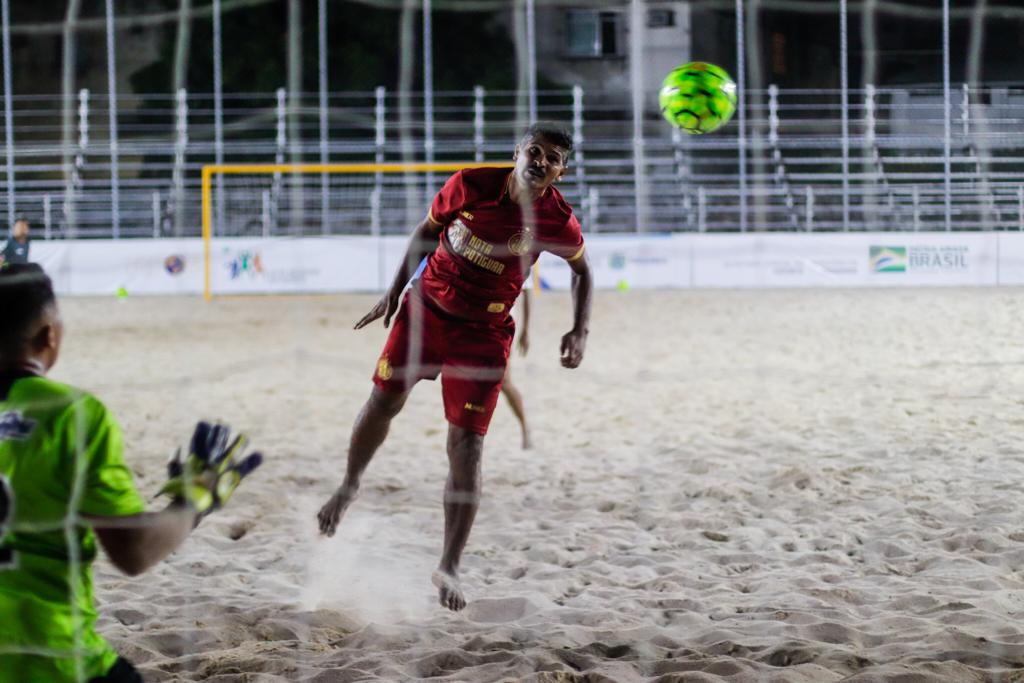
[(465, 449), (464, 475), (467, 461), (386, 404)]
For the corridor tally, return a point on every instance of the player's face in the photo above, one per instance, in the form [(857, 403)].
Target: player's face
[(21, 229), (539, 163)]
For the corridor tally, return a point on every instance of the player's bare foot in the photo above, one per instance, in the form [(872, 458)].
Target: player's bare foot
[(527, 441), (330, 514), (449, 590)]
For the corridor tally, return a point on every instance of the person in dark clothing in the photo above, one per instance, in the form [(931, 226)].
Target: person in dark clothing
[(16, 247)]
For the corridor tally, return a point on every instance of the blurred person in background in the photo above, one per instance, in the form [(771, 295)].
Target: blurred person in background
[(16, 247), (508, 389)]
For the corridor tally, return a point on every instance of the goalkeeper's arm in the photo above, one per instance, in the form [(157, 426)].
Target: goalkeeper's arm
[(200, 482), (137, 542)]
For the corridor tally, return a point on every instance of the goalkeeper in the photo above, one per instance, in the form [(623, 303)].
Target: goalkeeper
[(63, 484)]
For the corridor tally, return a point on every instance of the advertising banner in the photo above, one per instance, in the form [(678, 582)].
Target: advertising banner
[(102, 267), (1011, 258), (367, 264), (845, 260), (299, 264), (659, 261)]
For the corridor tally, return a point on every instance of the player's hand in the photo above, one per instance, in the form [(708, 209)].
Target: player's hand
[(212, 469), (524, 344), (573, 344), (386, 307)]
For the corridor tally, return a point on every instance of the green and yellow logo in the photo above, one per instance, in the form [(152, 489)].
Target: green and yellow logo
[(888, 259)]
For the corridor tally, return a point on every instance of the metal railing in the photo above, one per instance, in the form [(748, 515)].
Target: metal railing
[(895, 168)]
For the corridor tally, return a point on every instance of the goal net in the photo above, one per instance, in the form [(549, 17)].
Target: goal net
[(285, 228)]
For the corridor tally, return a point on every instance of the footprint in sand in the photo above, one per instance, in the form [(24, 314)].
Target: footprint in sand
[(500, 610)]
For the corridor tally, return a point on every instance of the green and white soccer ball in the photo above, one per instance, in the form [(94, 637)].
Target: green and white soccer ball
[(698, 97)]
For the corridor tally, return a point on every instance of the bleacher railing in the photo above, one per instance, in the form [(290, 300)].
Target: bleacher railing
[(906, 166)]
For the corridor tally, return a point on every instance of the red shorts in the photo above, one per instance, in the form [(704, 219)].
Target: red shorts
[(470, 356)]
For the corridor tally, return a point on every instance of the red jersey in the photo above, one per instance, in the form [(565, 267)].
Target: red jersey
[(485, 248)]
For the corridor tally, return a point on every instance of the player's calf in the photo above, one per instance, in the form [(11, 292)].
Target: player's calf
[(367, 435)]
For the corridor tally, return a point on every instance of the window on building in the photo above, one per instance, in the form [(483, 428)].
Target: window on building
[(660, 18), (590, 33)]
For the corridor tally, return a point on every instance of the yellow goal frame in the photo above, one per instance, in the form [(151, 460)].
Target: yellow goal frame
[(212, 170)]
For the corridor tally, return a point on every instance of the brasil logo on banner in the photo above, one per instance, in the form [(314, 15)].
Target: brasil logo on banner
[(888, 259)]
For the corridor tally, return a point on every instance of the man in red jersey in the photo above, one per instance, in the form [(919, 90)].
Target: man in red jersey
[(485, 229)]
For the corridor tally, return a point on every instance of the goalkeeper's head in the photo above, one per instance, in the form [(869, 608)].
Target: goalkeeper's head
[(30, 325)]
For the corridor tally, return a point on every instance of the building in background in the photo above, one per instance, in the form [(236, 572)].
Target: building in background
[(591, 46)]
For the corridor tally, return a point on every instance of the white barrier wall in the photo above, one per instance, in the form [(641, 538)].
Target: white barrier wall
[(1011, 258), (83, 267), (237, 266), (304, 264), (845, 260), (352, 264), (644, 262)]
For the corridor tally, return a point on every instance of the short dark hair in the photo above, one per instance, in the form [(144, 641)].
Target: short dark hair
[(552, 132), (25, 293)]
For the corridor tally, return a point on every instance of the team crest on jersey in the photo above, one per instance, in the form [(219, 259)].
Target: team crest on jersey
[(520, 243), (14, 427), (384, 369), (458, 235)]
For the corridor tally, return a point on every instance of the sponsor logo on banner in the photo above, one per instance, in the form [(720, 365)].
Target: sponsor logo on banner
[(245, 262), (919, 258), (174, 264), (888, 259), (943, 259), (277, 265), (637, 257)]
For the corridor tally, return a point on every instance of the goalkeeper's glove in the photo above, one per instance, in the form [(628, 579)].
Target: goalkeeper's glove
[(212, 469)]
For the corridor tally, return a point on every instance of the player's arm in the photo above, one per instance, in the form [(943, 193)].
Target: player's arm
[(524, 333), (137, 542), (199, 482), (575, 340), (422, 243)]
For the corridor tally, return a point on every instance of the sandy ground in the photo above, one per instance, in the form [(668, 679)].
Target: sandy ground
[(735, 486)]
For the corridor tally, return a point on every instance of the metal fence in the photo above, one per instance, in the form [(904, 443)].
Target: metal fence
[(907, 161)]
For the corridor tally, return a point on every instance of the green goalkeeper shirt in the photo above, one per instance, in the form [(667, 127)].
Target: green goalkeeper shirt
[(60, 453)]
